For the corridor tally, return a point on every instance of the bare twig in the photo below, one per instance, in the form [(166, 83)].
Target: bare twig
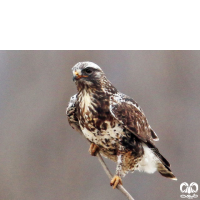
[(119, 187), (110, 176)]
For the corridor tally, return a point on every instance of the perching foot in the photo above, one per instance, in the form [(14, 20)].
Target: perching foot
[(93, 149), (115, 181)]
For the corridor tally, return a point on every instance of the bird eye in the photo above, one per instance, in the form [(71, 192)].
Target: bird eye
[(88, 71)]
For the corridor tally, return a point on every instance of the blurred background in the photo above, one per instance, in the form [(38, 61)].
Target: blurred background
[(43, 158)]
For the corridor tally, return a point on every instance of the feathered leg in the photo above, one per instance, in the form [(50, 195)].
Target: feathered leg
[(117, 178)]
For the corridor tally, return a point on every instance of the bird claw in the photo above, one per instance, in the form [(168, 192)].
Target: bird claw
[(93, 149), (115, 181)]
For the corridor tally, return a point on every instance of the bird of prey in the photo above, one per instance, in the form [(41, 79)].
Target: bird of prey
[(114, 124)]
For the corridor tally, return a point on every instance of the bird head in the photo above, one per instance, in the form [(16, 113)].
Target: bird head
[(87, 73)]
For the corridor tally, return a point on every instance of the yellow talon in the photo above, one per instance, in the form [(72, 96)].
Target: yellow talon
[(93, 149), (115, 181)]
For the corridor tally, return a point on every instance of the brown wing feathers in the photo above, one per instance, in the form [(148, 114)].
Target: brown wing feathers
[(126, 111)]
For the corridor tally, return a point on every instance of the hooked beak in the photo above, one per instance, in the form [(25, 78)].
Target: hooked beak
[(77, 76)]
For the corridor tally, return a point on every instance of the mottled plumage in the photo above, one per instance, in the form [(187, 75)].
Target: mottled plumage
[(114, 122)]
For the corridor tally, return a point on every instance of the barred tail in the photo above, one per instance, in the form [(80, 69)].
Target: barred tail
[(165, 171)]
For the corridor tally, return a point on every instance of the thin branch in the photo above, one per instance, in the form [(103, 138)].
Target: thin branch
[(110, 176), (119, 187)]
